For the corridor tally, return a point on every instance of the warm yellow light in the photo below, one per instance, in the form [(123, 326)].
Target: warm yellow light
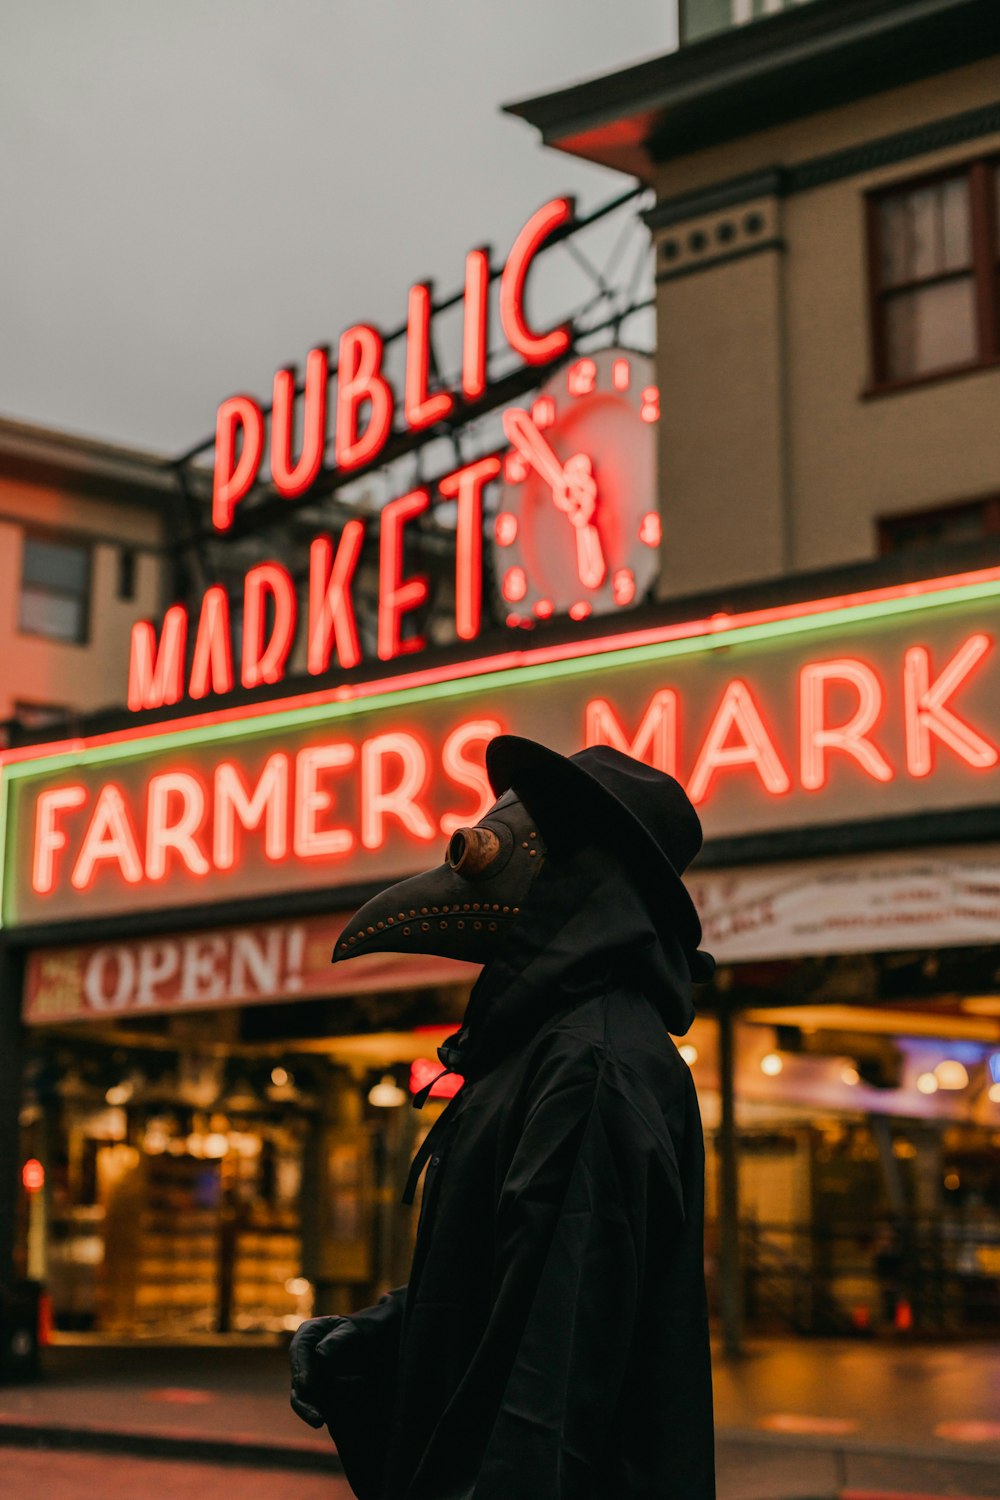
[(952, 1181), (951, 1074), (215, 1145), (121, 1093), (927, 1083), (279, 1077), (689, 1054), (387, 1094), (298, 1286), (771, 1064), (993, 1093), (849, 1075)]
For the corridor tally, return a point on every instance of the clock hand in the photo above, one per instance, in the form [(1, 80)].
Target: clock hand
[(573, 490)]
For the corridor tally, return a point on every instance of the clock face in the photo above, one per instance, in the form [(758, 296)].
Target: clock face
[(577, 531)]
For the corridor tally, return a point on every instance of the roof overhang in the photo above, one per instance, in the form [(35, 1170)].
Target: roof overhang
[(782, 67)]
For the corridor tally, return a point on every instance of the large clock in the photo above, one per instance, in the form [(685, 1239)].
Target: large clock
[(577, 531)]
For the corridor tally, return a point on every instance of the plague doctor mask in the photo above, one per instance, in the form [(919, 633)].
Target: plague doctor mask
[(464, 907)]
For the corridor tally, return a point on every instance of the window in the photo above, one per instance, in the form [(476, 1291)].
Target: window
[(55, 588), (966, 521), (933, 267)]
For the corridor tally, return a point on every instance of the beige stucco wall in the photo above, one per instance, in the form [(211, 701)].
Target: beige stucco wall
[(772, 456), (35, 669)]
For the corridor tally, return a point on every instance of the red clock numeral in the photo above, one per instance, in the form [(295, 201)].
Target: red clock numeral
[(649, 411), (581, 377), (623, 586), (621, 374), (515, 585), (580, 610), (651, 531), (515, 470), (543, 412), (505, 527), (544, 608)]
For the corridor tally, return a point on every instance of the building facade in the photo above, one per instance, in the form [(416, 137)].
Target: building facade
[(781, 585)]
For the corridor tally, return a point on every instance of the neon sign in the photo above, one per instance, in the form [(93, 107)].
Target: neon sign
[(877, 703), (607, 472)]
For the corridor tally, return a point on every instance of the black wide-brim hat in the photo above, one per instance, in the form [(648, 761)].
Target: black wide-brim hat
[(642, 813)]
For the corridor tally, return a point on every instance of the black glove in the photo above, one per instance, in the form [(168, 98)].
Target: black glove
[(325, 1356)]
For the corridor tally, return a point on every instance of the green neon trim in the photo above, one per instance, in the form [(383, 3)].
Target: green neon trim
[(241, 729), (4, 796)]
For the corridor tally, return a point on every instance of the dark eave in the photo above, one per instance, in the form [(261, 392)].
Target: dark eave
[(40, 455), (809, 58)]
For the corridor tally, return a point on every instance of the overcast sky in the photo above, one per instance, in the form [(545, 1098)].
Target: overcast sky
[(196, 191)]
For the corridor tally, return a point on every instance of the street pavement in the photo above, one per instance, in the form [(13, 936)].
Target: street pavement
[(797, 1420)]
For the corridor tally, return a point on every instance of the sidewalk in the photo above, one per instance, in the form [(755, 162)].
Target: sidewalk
[(795, 1419)]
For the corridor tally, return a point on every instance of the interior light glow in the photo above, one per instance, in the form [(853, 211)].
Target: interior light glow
[(993, 1093), (689, 1053), (387, 1094), (952, 1181), (119, 1093), (927, 1083), (849, 1075), (951, 1074), (771, 1064), (279, 1077), (214, 1145)]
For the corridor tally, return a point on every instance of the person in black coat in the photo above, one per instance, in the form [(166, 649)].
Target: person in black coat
[(552, 1342)]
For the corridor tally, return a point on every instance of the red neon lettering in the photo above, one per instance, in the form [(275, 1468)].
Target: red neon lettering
[(816, 737), (466, 485), (233, 478), (755, 748), (926, 714), (310, 842), (164, 832), (656, 738), (212, 662), (156, 672), (379, 802), (294, 479), (110, 836), (395, 596), (48, 837), (420, 409), (534, 348), (267, 804), (359, 363), (475, 326), (331, 612), (266, 663), (466, 772)]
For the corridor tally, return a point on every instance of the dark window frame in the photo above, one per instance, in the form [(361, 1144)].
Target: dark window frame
[(985, 246), (86, 596), (892, 527)]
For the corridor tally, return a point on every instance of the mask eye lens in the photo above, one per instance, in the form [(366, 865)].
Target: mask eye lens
[(457, 848)]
